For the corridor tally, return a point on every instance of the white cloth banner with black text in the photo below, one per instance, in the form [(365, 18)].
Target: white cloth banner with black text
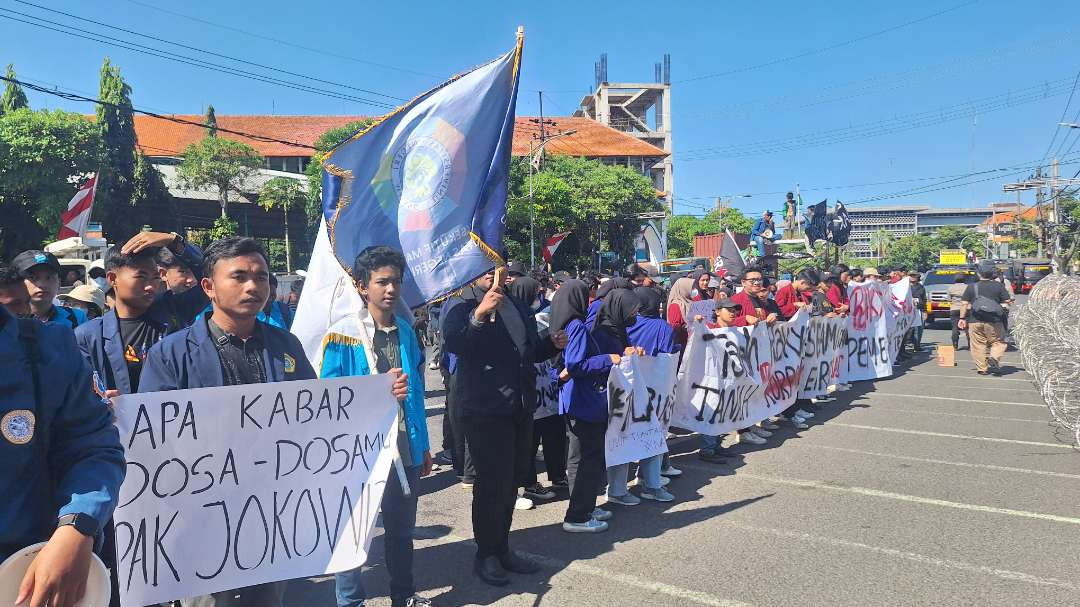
[(240, 485), (641, 400)]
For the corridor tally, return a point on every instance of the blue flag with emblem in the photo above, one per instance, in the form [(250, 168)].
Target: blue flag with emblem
[(429, 179)]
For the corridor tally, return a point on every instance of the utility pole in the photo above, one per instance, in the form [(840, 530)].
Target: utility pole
[(1038, 212), (1055, 194), (536, 155), (1037, 183)]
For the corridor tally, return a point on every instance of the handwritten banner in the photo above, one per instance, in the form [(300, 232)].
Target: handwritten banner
[(824, 345), (641, 400), (547, 391), (242, 485)]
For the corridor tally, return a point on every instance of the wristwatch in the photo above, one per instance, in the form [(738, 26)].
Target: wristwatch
[(83, 523), (178, 243)]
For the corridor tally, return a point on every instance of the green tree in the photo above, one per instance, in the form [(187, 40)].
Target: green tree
[(222, 164), (150, 191), (597, 203), (282, 193), (224, 227), (1068, 229), (683, 228), (915, 252), (44, 157), (116, 181), (14, 98), (211, 122), (880, 242), (326, 142), (955, 237)]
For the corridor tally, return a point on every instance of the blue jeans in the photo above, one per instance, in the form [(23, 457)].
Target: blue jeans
[(398, 521), (648, 470), (760, 242), (711, 443)]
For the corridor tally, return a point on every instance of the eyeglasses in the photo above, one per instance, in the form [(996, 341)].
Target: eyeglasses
[(754, 281)]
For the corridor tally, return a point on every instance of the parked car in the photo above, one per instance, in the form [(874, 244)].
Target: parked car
[(937, 282)]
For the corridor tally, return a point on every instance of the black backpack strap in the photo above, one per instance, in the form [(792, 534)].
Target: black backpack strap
[(29, 330)]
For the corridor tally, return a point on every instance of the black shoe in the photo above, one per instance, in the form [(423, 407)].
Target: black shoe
[(413, 601), (514, 563), (444, 458), (956, 345), (983, 372), (712, 457), (490, 571), (561, 483), (994, 365)]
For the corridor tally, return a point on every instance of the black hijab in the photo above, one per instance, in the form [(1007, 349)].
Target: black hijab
[(707, 292), (571, 301), (618, 312), (613, 283), (651, 300), (524, 290)]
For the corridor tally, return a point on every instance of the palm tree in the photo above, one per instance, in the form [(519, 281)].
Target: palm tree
[(880, 242)]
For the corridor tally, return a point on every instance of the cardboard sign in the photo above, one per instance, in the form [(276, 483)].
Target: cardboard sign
[(241, 485), (946, 356)]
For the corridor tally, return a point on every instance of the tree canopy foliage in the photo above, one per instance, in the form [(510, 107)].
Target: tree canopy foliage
[(683, 228), (222, 164)]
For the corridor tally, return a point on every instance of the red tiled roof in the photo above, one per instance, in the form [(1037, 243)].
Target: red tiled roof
[(158, 137), (1000, 217)]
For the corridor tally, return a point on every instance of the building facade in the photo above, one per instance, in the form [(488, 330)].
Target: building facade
[(906, 220)]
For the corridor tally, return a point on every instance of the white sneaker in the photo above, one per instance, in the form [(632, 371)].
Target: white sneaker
[(671, 471), (600, 514), (823, 399), (804, 414), (523, 503), (629, 499), (762, 432), (659, 495), (843, 387), (798, 422), (750, 437), (590, 526), (770, 425)]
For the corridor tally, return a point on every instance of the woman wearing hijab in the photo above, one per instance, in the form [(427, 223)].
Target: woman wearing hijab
[(549, 429), (702, 290), (602, 292), (679, 307), (583, 398)]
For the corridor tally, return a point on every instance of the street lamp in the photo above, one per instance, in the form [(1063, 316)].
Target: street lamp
[(986, 243), (723, 203), (534, 165)]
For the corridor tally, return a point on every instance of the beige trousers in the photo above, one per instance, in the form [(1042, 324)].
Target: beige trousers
[(985, 336)]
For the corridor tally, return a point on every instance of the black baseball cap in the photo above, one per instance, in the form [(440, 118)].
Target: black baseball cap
[(729, 304), (28, 260), (561, 276), (516, 268)]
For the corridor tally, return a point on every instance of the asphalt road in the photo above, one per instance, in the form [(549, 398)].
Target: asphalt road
[(935, 487)]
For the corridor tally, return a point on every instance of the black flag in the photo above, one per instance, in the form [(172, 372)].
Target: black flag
[(840, 225), (816, 224)]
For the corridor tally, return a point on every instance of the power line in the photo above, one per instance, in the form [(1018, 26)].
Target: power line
[(282, 42), (1064, 112), (147, 50), (75, 97), (899, 124), (211, 53), (830, 47)]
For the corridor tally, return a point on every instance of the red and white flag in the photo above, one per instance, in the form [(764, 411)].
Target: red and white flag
[(74, 220), (552, 244)]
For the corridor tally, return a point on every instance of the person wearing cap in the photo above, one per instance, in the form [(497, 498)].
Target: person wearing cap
[(175, 272), (764, 230), (13, 295), (983, 316), (63, 461), (870, 274), (87, 298), (41, 272), (712, 451), (515, 270)]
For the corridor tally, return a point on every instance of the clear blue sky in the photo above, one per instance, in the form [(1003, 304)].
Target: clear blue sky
[(935, 67)]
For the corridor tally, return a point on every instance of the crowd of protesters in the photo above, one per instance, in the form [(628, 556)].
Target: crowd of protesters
[(163, 315)]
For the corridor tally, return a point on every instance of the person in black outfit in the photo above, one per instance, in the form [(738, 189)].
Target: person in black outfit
[(496, 344), (918, 299)]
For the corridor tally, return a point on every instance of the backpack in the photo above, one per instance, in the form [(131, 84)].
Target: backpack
[(985, 308)]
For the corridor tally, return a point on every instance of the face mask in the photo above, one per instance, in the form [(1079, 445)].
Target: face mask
[(102, 283)]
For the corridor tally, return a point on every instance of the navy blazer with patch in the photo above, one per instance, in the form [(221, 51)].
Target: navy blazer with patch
[(190, 359)]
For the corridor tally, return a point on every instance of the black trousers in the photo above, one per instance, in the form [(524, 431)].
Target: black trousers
[(551, 431), (447, 423), (463, 466), (585, 468), (500, 447), (954, 318)]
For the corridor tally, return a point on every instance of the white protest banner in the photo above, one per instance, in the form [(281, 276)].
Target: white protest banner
[(902, 316), (641, 399), (734, 378), (547, 391), (868, 355), (240, 485), (824, 344)]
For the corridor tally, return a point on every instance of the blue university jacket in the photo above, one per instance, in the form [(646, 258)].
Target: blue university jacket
[(189, 359), (587, 360), (103, 347), (344, 356), (61, 453)]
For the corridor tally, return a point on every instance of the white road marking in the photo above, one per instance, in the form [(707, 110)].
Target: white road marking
[(958, 376), (926, 460), (925, 412), (623, 579), (910, 498), (1004, 574), (960, 400), (945, 435)]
